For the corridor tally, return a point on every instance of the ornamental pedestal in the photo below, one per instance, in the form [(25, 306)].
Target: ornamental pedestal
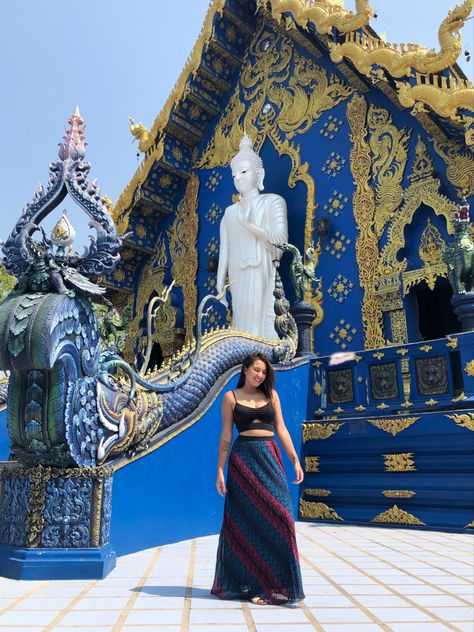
[(55, 522), (304, 314), (463, 305)]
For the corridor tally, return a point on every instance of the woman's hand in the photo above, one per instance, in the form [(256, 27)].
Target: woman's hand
[(298, 474), (220, 483)]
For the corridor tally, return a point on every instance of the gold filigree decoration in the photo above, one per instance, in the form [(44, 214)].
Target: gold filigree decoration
[(325, 14), (317, 388), (367, 252), (183, 237), (398, 493), (378, 355), (317, 492), (388, 145), (470, 525), (424, 189), (403, 351), (463, 420), (469, 368), (294, 90), (383, 406), (402, 462), (430, 251), (152, 281), (395, 515), (431, 402), (393, 426), (317, 511), (311, 464), (366, 51), (426, 348)]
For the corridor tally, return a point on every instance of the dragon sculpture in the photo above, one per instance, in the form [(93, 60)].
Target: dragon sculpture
[(72, 401), (366, 51)]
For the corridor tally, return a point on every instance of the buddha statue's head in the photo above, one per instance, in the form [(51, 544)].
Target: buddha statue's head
[(247, 168)]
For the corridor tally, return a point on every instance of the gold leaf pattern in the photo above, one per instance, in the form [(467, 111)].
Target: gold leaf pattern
[(311, 464), (398, 493), (320, 431), (317, 511), (463, 420), (395, 515), (402, 462), (393, 426)]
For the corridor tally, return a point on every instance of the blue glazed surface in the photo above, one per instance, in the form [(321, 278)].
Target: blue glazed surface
[(44, 564), (170, 494)]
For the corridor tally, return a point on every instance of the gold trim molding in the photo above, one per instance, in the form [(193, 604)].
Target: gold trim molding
[(398, 493)]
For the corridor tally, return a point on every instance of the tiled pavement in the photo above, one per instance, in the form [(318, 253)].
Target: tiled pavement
[(356, 579)]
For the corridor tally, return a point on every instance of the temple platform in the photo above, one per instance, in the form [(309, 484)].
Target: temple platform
[(356, 579)]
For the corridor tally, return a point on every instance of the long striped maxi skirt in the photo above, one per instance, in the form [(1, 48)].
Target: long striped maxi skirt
[(257, 554)]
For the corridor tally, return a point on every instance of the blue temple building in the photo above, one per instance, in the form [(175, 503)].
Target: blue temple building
[(111, 443)]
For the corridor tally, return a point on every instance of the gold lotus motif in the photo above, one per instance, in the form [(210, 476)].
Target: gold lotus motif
[(402, 462), (393, 426)]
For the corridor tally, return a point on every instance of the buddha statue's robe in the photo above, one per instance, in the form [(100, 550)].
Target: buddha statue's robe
[(247, 260)]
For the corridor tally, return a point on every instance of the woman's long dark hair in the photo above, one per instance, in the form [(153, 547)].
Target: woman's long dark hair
[(267, 385)]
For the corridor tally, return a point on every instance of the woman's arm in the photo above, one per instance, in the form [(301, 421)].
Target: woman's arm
[(224, 441), (285, 439)]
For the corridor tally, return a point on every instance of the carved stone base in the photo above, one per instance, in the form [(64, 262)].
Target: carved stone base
[(55, 518), (463, 305), (304, 314), (42, 564)]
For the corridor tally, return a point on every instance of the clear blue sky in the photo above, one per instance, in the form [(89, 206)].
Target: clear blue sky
[(114, 59)]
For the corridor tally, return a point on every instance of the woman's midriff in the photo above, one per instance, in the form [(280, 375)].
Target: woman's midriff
[(257, 433)]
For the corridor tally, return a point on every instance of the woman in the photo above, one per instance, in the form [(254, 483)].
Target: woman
[(257, 557)]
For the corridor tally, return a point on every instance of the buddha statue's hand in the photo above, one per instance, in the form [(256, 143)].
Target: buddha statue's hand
[(244, 210)]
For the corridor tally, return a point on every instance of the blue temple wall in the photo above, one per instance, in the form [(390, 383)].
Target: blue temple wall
[(170, 494)]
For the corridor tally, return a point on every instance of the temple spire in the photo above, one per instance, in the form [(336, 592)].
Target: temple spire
[(73, 146)]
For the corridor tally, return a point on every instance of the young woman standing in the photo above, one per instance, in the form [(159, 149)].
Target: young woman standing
[(257, 557)]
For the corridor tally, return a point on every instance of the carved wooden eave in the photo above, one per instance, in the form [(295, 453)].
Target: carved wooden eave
[(441, 100)]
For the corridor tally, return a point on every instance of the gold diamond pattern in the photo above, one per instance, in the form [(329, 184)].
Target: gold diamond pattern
[(214, 180), (212, 247), (331, 127), (214, 213), (343, 333), (338, 245), (333, 164), (340, 288), (336, 203)]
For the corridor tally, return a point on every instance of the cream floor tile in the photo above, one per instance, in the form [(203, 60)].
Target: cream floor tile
[(279, 615), (389, 615), (296, 627), (436, 600), (154, 617), (419, 627), (328, 601), (454, 614), (340, 615), (382, 601), (148, 628), (210, 617), (220, 628), (89, 617), (45, 603), (354, 627), (14, 617), (164, 603)]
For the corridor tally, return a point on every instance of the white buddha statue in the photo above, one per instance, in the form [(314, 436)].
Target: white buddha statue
[(247, 231)]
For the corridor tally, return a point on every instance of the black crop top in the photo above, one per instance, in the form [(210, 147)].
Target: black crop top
[(248, 418)]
